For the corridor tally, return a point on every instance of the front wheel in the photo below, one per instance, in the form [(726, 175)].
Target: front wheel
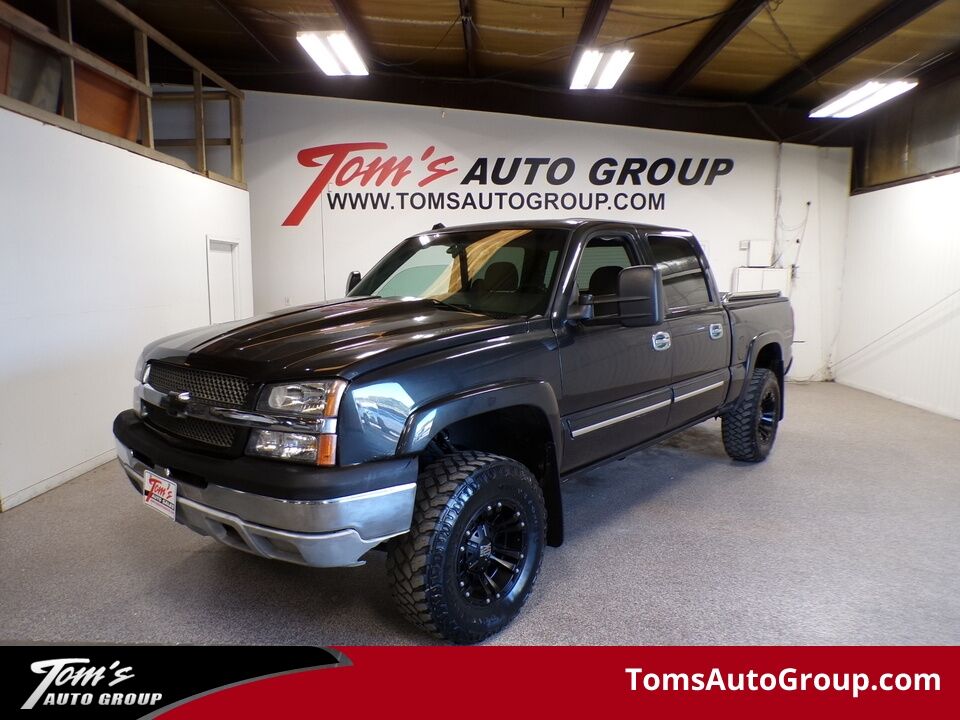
[(473, 552), (750, 428)]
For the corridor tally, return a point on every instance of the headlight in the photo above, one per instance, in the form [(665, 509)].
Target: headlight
[(307, 400), (138, 370), (320, 399)]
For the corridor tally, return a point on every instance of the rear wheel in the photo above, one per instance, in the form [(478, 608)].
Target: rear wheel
[(473, 552), (750, 428)]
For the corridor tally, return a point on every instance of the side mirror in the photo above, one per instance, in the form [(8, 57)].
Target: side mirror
[(353, 279), (583, 310), (640, 291)]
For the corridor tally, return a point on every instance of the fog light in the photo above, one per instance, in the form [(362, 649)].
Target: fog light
[(283, 446)]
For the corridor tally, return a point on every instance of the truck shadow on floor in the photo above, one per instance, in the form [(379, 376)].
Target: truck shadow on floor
[(595, 499), (283, 603), (703, 440)]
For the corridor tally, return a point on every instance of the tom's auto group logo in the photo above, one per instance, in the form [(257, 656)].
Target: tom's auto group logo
[(72, 681), (124, 682), (370, 176)]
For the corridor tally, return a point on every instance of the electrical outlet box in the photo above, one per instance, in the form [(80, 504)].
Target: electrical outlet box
[(777, 279), (747, 278), (744, 244), (760, 253)]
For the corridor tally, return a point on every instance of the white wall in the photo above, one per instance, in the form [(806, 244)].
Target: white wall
[(903, 256), (310, 261), (101, 251), (813, 243)]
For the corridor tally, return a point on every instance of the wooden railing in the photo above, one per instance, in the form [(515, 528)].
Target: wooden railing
[(69, 115)]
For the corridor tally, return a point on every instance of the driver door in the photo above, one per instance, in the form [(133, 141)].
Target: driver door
[(616, 383)]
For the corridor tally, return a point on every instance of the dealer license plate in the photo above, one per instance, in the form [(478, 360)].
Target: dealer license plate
[(160, 494)]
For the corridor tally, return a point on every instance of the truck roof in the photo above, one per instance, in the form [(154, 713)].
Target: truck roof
[(557, 224)]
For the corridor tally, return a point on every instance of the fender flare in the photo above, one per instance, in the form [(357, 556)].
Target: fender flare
[(426, 421), (774, 337)]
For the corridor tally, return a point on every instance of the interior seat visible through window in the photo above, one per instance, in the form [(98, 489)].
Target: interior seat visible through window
[(500, 277), (603, 281), (600, 265)]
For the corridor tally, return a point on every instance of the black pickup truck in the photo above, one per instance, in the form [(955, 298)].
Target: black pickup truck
[(434, 410)]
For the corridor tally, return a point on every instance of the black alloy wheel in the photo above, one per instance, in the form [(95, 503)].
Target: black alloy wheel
[(769, 415), (491, 552)]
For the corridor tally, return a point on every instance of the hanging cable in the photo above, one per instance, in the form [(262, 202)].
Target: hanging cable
[(909, 320), (428, 53), (802, 227), (831, 365)]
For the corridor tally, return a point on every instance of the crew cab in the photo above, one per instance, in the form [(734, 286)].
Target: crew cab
[(433, 411)]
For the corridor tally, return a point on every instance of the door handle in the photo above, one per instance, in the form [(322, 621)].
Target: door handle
[(661, 340), (716, 331)]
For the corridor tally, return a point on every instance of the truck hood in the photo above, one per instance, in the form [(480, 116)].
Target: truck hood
[(338, 338)]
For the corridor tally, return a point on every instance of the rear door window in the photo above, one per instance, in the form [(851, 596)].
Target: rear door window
[(684, 280)]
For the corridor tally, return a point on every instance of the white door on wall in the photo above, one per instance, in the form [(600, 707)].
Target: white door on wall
[(223, 280)]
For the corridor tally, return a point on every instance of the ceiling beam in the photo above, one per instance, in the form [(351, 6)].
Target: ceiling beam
[(590, 30), (713, 118), (354, 27), (229, 12), (469, 36), (717, 37), (881, 24)]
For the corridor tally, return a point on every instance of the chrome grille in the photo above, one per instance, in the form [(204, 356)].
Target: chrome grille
[(202, 385), (201, 431)]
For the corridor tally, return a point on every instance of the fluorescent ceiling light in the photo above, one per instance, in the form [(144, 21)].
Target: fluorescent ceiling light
[(881, 96), (320, 52), (333, 52), (598, 70), (862, 98), (616, 63), (347, 54), (586, 68)]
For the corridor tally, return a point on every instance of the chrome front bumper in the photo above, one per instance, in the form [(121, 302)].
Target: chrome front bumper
[(320, 533)]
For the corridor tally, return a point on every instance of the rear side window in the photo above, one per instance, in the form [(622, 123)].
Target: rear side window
[(684, 281)]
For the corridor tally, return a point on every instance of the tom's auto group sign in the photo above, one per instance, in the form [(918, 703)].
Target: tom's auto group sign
[(371, 176)]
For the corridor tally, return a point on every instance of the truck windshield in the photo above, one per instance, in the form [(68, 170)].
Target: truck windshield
[(505, 272)]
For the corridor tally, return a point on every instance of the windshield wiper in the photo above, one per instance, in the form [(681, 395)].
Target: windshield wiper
[(499, 314), (451, 306)]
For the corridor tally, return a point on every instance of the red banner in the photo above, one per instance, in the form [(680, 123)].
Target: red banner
[(476, 682)]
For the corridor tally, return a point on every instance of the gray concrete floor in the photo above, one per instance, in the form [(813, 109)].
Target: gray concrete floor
[(848, 534)]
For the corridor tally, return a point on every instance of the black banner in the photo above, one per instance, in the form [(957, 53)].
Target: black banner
[(117, 682)]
